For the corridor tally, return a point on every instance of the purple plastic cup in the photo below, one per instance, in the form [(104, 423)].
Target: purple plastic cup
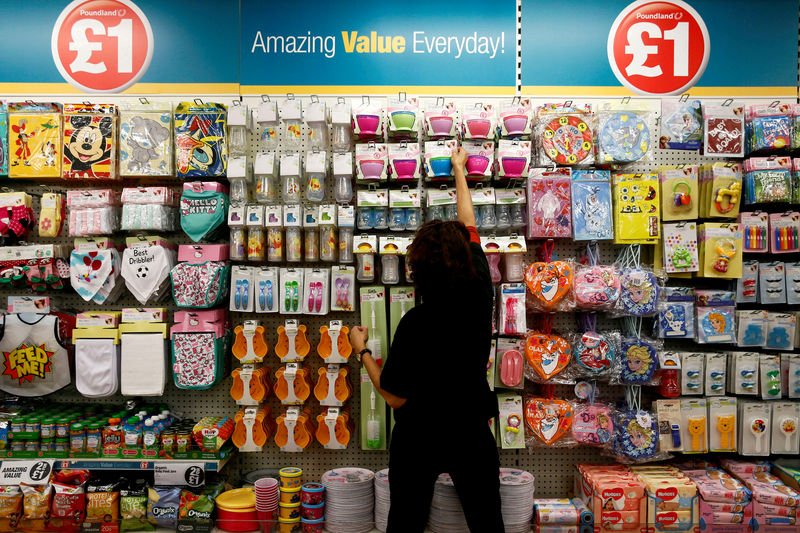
[(371, 169), (441, 126), (404, 168), (515, 124), (368, 124), (478, 128), (476, 165), (513, 166)]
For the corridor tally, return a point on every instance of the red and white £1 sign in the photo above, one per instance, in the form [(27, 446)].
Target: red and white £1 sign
[(658, 47), (102, 46)]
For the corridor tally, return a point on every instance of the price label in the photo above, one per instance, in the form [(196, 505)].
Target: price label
[(182, 474), (102, 46), (658, 47), (29, 472)]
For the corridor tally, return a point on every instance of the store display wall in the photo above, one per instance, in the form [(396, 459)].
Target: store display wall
[(552, 466)]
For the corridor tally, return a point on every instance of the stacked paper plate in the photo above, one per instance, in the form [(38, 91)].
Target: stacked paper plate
[(381, 499), (350, 500), (516, 496)]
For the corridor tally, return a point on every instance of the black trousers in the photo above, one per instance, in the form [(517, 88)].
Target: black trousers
[(472, 462)]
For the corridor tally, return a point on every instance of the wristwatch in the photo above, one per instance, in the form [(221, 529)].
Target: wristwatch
[(362, 352)]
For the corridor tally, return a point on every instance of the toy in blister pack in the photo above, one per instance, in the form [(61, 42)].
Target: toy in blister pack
[(548, 355), (679, 192), (549, 204), (636, 208), (623, 134), (201, 148), (720, 250), (723, 128), (638, 359), (35, 140), (680, 247), (636, 435), (591, 205), (549, 420), (90, 141), (681, 125), (784, 232), (716, 316), (721, 190), (566, 135), (550, 285), (768, 127), (781, 329), (145, 139), (751, 328), (792, 283), (640, 292), (596, 287), (676, 313), (755, 228), (772, 283), (768, 180)]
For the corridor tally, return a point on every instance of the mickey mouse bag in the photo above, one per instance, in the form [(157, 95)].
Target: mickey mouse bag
[(90, 141)]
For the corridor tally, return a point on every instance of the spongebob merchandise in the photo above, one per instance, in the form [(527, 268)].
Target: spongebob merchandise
[(201, 148), (34, 137), (636, 208), (90, 141)]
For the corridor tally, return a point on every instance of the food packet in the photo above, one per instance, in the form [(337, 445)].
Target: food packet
[(163, 505), (102, 500), (133, 507), (35, 506), (10, 508)]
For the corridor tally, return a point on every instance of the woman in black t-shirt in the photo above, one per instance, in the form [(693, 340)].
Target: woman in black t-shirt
[(435, 376)]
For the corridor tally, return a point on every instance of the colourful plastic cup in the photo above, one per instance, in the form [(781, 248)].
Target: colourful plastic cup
[(312, 494), (371, 169), (404, 168), (313, 526), (290, 495), (403, 120), (289, 511), (313, 512), (441, 126), (515, 124), (476, 165), (291, 477), (441, 165), (478, 128), (513, 166), (368, 124)]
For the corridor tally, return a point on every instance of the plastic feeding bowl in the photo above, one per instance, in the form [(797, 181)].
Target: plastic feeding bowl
[(403, 120), (404, 168), (515, 124), (368, 124), (513, 166), (476, 165), (441, 126), (371, 169), (478, 128), (441, 165)]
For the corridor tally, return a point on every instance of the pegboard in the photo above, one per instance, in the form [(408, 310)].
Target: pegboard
[(551, 467)]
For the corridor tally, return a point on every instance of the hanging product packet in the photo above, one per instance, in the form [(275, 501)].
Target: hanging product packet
[(4, 147), (636, 437), (680, 247), (723, 127), (680, 192), (623, 134), (35, 140), (145, 139), (768, 127), (549, 422), (716, 316), (203, 209), (90, 141), (640, 290), (565, 135), (550, 286), (201, 148), (591, 205), (594, 353), (676, 313), (548, 356), (593, 422), (767, 180), (638, 360), (636, 208), (681, 125), (549, 207)]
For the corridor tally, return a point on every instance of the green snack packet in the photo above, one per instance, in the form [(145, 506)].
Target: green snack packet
[(133, 507)]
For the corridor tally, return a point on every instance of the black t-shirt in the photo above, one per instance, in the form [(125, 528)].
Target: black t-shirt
[(439, 356)]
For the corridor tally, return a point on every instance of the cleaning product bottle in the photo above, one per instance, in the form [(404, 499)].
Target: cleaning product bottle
[(373, 425)]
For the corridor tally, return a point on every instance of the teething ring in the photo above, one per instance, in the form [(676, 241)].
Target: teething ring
[(726, 249), (725, 198)]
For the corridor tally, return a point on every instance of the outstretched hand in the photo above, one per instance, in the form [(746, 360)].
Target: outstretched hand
[(459, 158), (358, 338)]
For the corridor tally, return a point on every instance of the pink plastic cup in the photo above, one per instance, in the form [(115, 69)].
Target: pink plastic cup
[(371, 168), (476, 165), (478, 128), (513, 166), (368, 124), (404, 168), (515, 124), (441, 126)]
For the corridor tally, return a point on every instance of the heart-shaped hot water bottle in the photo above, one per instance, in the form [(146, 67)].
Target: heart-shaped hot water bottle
[(549, 420), (548, 283), (547, 355)]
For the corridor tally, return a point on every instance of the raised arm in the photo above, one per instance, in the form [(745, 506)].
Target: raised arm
[(466, 213)]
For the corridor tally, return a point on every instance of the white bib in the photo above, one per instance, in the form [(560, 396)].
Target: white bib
[(34, 362)]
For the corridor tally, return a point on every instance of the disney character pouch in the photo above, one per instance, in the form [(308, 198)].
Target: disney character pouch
[(201, 148), (90, 141), (34, 140), (145, 140)]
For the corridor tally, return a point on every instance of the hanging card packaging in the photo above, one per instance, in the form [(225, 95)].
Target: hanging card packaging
[(624, 134), (512, 433), (511, 320), (716, 319), (35, 140), (510, 364), (565, 135), (754, 429), (636, 208), (792, 283), (4, 146), (637, 437), (680, 192), (747, 285), (668, 413), (716, 372), (720, 250), (681, 125), (516, 118), (722, 435), (769, 376), (371, 162), (591, 205), (680, 247), (768, 180), (90, 141), (772, 283), (441, 119), (692, 373), (751, 328), (784, 232), (404, 161), (768, 127), (694, 426), (549, 422), (513, 159), (403, 116), (724, 130), (721, 190), (755, 230), (781, 331), (785, 419), (438, 166), (201, 149), (479, 122), (676, 313), (549, 204), (480, 160), (743, 373), (639, 360), (368, 119), (793, 383)]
